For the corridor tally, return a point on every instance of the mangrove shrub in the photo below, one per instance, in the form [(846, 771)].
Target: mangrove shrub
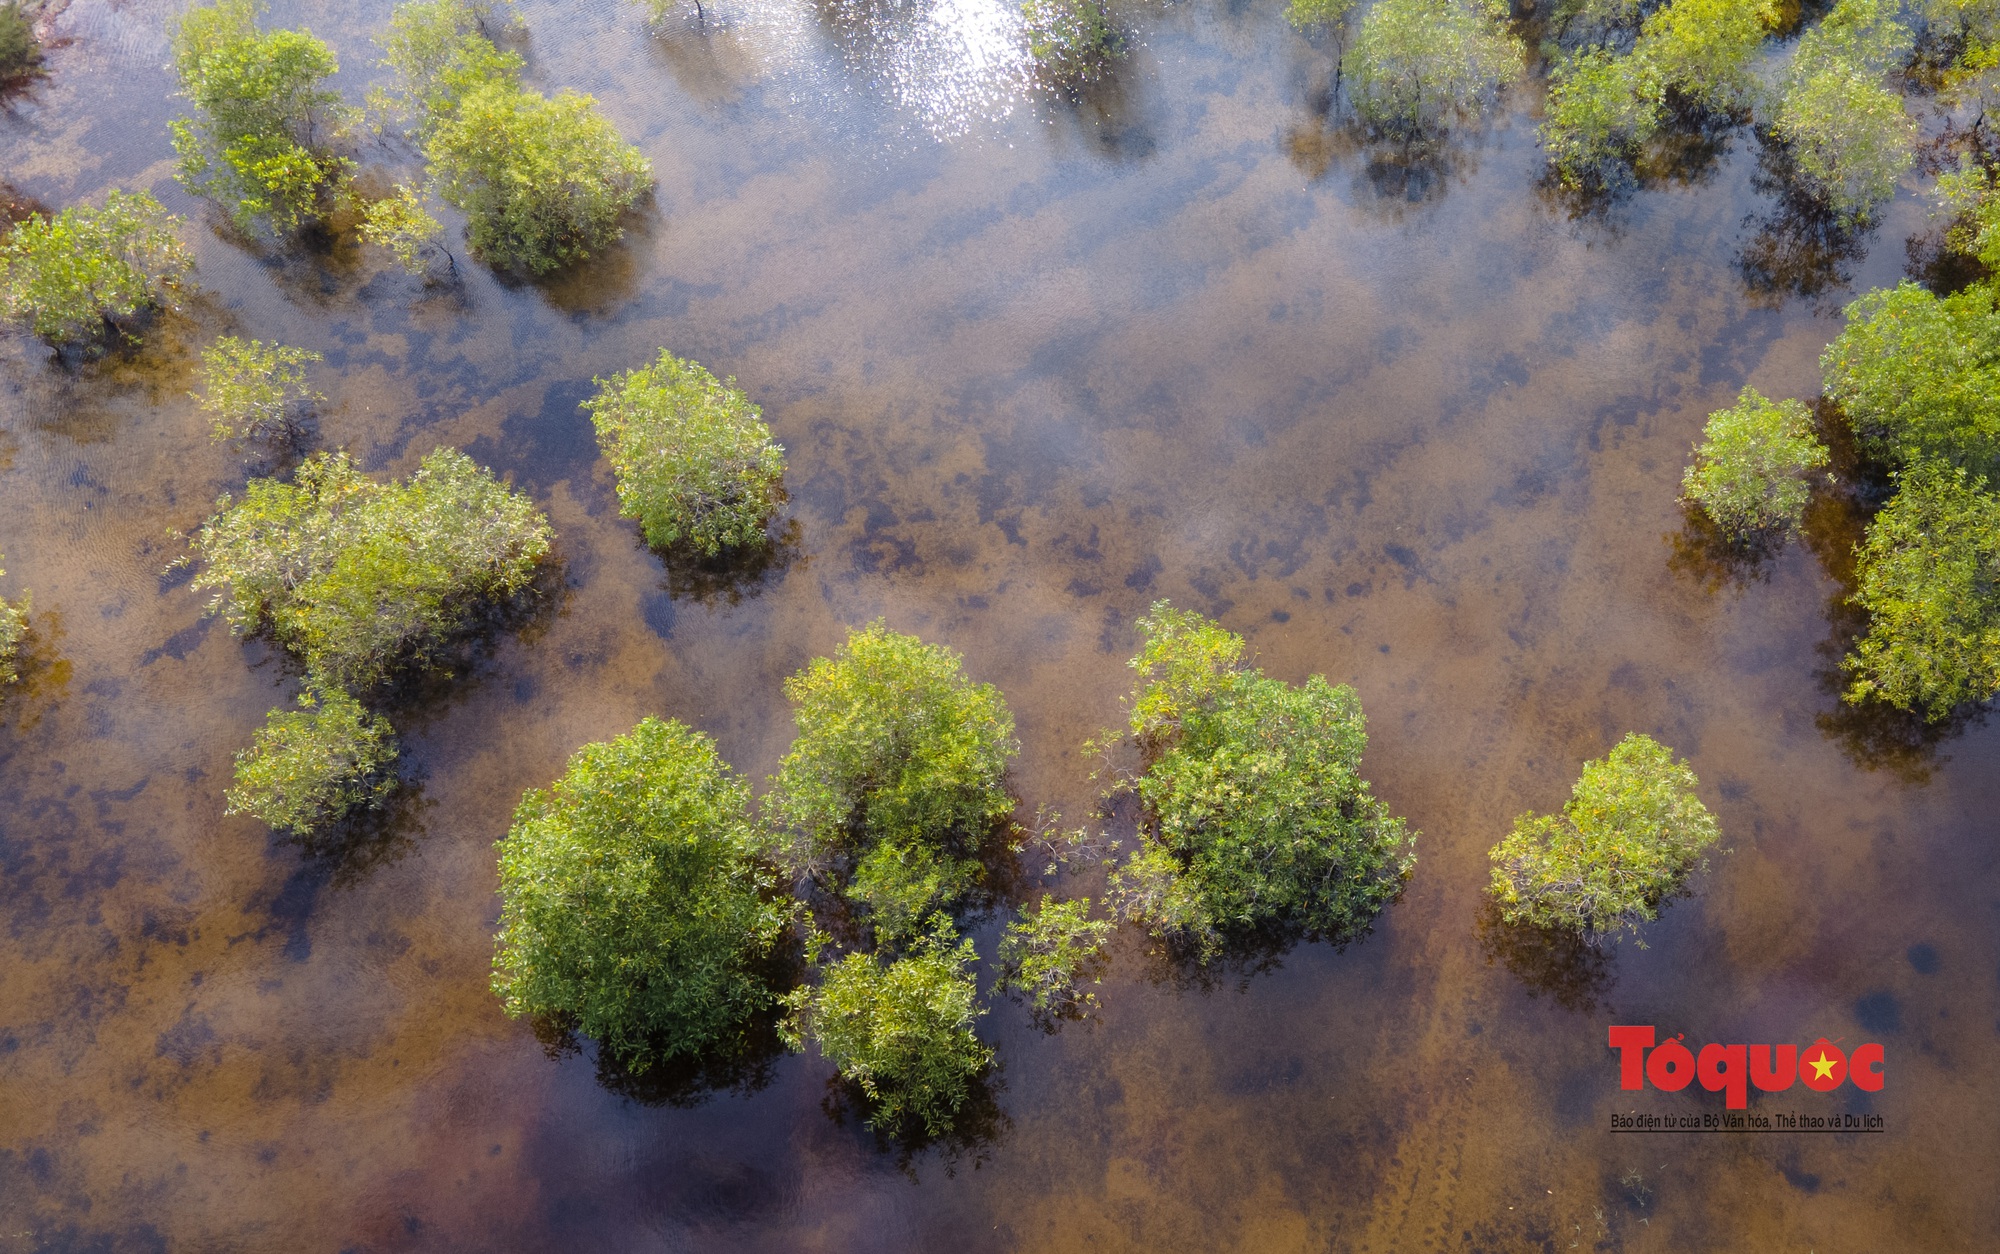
[(436, 52), (1928, 573), (310, 767), (13, 629), (1071, 39), (1416, 64), (20, 51), (356, 577), (1632, 833), (895, 783), (1255, 813), (1752, 470), (70, 277), (1049, 951), (633, 909), (696, 465), (1846, 130), (258, 142), (900, 1031), (1918, 376), (256, 391)]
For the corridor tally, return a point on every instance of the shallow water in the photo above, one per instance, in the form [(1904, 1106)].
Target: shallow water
[(1036, 364)]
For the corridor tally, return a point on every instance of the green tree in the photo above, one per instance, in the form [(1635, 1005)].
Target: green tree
[(1601, 109), (543, 182), (1418, 63), (896, 782), (901, 1031), (1255, 813), (70, 277), (1847, 132), (1918, 376), (1632, 833), (436, 52), (357, 577), (20, 51), (696, 465), (258, 142), (632, 907), (1049, 951), (256, 391), (403, 224), (310, 767), (1705, 50), (1072, 39), (1928, 573), (1751, 472), (13, 629)]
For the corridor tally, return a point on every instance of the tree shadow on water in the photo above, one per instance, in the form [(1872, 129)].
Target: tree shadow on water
[(1802, 248), (680, 1083), (980, 1125), (1575, 972), (733, 578), (1716, 561), (368, 840)]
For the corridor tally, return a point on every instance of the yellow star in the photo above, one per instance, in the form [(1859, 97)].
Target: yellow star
[(1823, 1065)]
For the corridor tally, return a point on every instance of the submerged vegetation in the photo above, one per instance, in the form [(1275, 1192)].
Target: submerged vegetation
[(1632, 833), (257, 391), (1073, 40), (1256, 815), (633, 907), (696, 465), (72, 277)]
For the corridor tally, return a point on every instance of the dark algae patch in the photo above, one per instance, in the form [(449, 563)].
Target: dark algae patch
[(1044, 344)]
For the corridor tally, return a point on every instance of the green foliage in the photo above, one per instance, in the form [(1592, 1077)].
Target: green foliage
[(401, 223), (1049, 951), (696, 465), (632, 908), (1752, 469), (1929, 577), (437, 51), (20, 52), (1072, 39), (1918, 376), (13, 629), (901, 1032), (310, 767), (1632, 833), (895, 781), (67, 277), (1705, 49), (1418, 63), (1601, 109), (256, 144), (1323, 14), (1256, 816), (256, 391), (542, 181), (357, 577), (1848, 133)]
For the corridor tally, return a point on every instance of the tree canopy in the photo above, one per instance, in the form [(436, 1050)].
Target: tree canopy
[(632, 905), (1928, 573), (259, 141), (895, 783), (310, 767), (1918, 376), (1073, 40), (357, 577), (1416, 64), (900, 1031), (1256, 815), (20, 51), (696, 465), (1751, 472), (256, 391), (1631, 834), (69, 277), (1847, 131), (1047, 952)]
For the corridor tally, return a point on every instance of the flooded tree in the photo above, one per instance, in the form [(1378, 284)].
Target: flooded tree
[(1601, 109), (1752, 470), (308, 768), (437, 51), (13, 629), (20, 51), (402, 223), (357, 578), (633, 909), (1928, 573), (1417, 64), (696, 466), (1918, 376), (71, 277), (257, 391), (1705, 50), (1631, 834), (1047, 953), (259, 141), (900, 1031), (1255, 813), (1849, 136), (895, 786), (1073, 40)]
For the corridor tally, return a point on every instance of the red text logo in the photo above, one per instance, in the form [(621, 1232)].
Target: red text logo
[(1732, 1069)]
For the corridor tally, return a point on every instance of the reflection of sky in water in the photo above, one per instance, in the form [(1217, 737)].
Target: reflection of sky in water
[(953, 67)]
